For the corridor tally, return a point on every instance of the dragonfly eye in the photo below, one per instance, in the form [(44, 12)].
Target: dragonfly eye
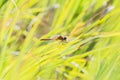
[(65, 38)]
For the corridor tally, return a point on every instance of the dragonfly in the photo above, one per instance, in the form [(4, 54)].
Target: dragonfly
[(60, 38)]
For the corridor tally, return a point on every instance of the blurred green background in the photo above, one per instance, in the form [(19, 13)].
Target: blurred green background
[(90, 52)]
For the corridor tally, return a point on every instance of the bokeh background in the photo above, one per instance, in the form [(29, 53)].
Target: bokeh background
[(90, 52)]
